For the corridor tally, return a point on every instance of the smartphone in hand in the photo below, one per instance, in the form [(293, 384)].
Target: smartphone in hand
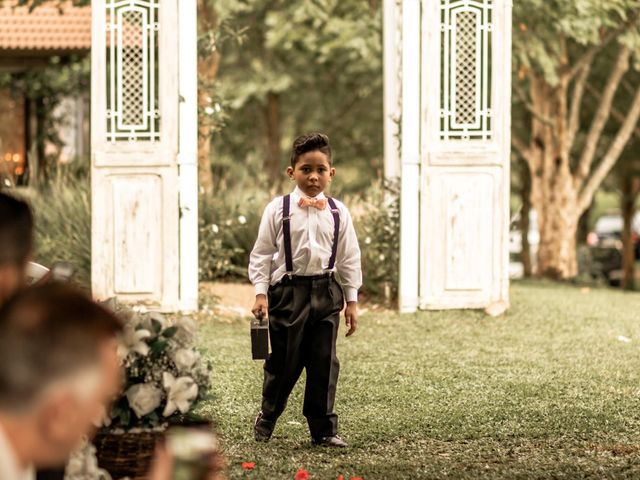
[(194, 450)]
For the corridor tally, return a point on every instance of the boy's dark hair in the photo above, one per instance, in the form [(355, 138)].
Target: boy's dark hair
[(48, 333), (16, 230), (310, 143)]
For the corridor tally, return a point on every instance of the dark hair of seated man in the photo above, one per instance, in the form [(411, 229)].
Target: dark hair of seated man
[(16, 243), (59, 370)]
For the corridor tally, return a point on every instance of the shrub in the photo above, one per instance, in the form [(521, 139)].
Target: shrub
[(377, 222), (229, 225), (62, 213), (165, 376)]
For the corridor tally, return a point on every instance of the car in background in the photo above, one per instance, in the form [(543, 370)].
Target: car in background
[(605, 246), (608, 232)]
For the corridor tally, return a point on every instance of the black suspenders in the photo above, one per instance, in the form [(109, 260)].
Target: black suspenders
[(286, 232), (336, 232)]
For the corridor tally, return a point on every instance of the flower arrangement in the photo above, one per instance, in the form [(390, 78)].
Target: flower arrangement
[(165, 376)]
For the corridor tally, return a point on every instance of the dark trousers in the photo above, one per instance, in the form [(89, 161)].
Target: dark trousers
[(53, 474), (304, 316)]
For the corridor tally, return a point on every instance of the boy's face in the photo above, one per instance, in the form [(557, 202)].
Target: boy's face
[(312, 172)]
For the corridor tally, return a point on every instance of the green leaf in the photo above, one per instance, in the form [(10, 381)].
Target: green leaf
[(170, 332), (156, 325), (158, 346)]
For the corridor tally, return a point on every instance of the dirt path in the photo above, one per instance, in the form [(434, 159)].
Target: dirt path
[(236, 299), (227, 299)]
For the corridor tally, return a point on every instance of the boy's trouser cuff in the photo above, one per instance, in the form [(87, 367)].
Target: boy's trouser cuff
[(323, 427)]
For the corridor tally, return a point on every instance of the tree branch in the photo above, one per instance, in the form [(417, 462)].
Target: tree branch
[(615, 113), (530, 108), (613, 153), (576, 104), (523, 150), (587, 58), (601, 116)]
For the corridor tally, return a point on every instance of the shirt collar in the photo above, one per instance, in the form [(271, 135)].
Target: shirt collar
[(297, 194), (10, 468)]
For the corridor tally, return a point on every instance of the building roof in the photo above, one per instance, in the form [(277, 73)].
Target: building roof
[(47, 28)]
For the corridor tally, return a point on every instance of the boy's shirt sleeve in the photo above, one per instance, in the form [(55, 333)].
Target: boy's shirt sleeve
[(263, 251), (348, 257)]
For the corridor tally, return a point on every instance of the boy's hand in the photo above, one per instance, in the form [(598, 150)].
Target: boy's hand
[(351, 317), (260, 307)]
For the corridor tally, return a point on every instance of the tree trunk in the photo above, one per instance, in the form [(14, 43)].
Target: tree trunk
[(557, 258), (274, 150), (630, 189), (553, 194), (208, 63), (205, 174), (525, 194), (583, 226)]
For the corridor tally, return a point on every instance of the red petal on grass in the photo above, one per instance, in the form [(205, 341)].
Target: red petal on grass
[(302, 474), (356, 478), (340, 477), (248, 465)]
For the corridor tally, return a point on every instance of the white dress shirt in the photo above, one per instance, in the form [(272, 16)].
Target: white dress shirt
[(10, 468), (311, 243)]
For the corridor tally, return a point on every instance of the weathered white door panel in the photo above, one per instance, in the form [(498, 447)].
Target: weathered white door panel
[(135, 205), (464, 153), (460, 225), (136, 242), (137, 218)]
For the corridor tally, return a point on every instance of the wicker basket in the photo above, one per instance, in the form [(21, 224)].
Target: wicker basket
[(127, 454)]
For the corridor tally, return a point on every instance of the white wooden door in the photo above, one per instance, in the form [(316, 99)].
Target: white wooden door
[(465, 145), (134, 100)]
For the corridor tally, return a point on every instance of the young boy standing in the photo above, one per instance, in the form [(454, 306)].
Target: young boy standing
[(304, 239)]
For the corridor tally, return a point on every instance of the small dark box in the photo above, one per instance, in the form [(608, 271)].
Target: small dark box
[(259, 338)]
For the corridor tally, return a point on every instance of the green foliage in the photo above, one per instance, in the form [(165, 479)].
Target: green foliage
[(159, 360), (229, 225), (547, 34), (323, 60), (62, 213), (228, 229), (378, 229), (46, 86)]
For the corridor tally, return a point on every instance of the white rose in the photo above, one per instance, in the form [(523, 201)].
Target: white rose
[(144, 398), (147, 321), (242, 219), (181, 392), (185, 358), (132, 340), (187, 329)]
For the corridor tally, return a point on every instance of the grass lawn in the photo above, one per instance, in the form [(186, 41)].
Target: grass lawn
[(550, 390)]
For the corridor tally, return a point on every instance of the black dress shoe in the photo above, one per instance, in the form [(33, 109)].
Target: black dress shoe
[(262, 428), (334, 441)]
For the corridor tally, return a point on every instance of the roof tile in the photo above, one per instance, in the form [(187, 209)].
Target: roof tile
[(45, 28)]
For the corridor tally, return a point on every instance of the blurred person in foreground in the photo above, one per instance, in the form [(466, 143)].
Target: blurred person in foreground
[(16, 244), (58, 371)]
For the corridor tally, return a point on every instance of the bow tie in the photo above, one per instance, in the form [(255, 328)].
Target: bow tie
[(320, 204)]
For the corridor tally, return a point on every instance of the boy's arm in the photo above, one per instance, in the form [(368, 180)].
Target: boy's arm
[(348, 258), (263, 251), (350, 269)]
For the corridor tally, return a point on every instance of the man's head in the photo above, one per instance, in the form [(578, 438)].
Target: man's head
[(16, 243), (311, 163), (58, 369)]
